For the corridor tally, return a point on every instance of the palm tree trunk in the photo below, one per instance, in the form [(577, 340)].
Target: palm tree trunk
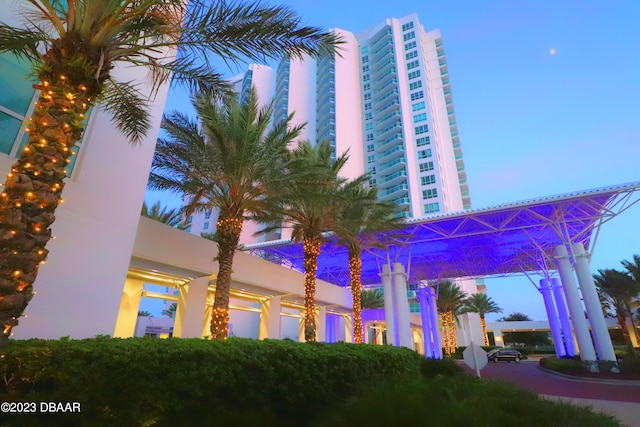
[(453, 341), (355, 269), (229, 230), (483, 323), (626, 334), (32, 193), (311, 246)]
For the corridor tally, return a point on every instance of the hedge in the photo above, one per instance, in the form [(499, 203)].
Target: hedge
[(146, 381), (459, 401), (629, 366)]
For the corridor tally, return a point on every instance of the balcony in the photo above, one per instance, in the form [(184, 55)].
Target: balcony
[(393, 166), (394, 192), (386, 143), (391, 154), (393, 179)]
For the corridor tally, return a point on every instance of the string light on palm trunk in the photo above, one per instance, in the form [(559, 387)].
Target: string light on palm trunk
[(355, 267), (311, 249)]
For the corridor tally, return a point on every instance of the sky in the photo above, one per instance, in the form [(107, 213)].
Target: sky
[(547, 101)]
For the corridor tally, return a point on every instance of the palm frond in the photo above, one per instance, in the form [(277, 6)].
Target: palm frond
[(128, 108), (21, 42)]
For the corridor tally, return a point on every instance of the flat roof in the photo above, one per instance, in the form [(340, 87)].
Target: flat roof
[(507, 239)]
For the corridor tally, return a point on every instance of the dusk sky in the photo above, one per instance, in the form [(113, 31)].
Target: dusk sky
[(547, 98)]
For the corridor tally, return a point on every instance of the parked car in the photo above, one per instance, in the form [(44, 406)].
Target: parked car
[(507, 354)]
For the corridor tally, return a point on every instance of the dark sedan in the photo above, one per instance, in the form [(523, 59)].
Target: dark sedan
[(504, 354)]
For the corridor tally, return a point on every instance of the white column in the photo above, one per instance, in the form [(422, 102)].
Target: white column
[(576, 310), (567, 332), (402, 305), (348, 328), (270, 319), (426, 321), (191, 308), (545, 289), (129, 306), (389, 310), (435, 329), (592, 303), (321, 324), (498, 338), (208, 310)]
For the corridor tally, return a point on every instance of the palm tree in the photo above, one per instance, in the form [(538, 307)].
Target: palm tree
[(480, 303), (371, 298), (361, 219), (171, 217), (74, 46), (311, 204), (231, 161), (449, 302), (144, 313), (633, 267), (618, 288), (171, 311)]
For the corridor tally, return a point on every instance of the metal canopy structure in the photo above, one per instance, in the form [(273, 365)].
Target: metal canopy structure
[(509, 239)]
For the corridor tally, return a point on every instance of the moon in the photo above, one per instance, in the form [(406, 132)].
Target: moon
[(552, 51)]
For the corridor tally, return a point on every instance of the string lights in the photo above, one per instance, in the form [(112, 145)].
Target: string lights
[(355, 269), (311, 248)]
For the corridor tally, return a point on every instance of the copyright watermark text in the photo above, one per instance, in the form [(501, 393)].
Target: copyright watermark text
[(39, 407)]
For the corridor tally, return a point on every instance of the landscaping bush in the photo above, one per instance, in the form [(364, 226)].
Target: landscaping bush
[(130, 382), (458, 401), (563, 365), (629, 367)]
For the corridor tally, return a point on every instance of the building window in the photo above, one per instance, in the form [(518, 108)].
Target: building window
[(367, 96), (419, 118), (412, 64), (428, 180), (206, 226), (370, 148), (426, 167), (365, 49), (417, 95), (420, 142), (365, 78), (414, 74), (411, 55), (368, 126), (430, 193), (418, 106), (409, 45), (431, 208), (365, 59), (422, 129), (207, 215), (368, 116), (369, 137), (366, 86), (415, 85), (409, 36), (407, 26), (367, 106), (423, 154), (190, 219), (371, 159), (365, 69)]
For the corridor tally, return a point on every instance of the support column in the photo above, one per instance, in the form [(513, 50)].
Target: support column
[(270, 318), (601, 335), (435, 329), (191, 308), (426, 321), (498, 338), (321, 324), (208, 310), (567, 332), (348, 328), (129, 306), (545, 288), (402, 305), (389, 311), (579, 321), (332, 328)]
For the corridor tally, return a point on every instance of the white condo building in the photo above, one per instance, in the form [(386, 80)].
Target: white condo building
[(387, 99)]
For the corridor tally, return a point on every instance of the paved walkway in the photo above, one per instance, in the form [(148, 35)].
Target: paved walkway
[(618, 398)]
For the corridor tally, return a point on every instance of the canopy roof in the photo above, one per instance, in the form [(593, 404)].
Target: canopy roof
[(507, 239)]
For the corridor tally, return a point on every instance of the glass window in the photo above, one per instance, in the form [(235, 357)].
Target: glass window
[(418, 106), (414, 74), (407, 26), (365, 59), (412, 64), (409, 45), (417, 95), (409, 36), (423, 141), (428, 180), (206, 225), (9, 129), (16, 90), (415, 85), (426, 167), (207, 215), (422, 129), (411, 55), (430, 193), (431, 207), (371, 159), (419, 118)]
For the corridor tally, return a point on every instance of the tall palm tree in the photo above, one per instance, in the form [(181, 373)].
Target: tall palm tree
[(74, 45), (361, 220), (171, 311), (449, 302), (231, 161), (619, 289), (633, 268), (371, 298), (163, 214), (482, 304), (311, 204)]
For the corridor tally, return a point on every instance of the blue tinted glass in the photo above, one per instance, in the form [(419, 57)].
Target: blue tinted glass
[(16, 90), (9, 128)]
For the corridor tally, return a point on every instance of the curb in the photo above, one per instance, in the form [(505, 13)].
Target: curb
[(632, 383)]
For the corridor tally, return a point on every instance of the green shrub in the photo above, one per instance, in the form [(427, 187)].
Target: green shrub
[(563, 365), (630, 366), (458, 401), (130, 382)]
